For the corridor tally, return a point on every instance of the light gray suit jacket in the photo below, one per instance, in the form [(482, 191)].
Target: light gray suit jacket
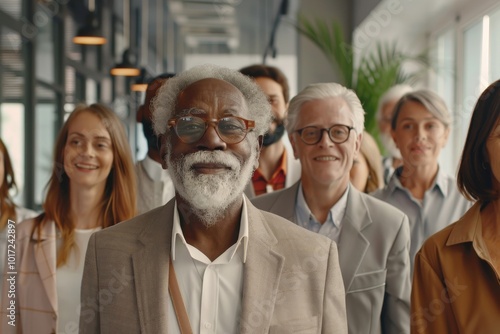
[(374, 259), (292, 280)]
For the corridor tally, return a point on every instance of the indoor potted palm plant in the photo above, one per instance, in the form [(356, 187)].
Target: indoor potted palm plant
[(375, 71)]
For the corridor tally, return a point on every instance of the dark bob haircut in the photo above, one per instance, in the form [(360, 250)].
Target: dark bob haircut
[(475, 178)]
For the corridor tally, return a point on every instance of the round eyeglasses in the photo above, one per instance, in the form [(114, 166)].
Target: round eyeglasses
[(338, 133), (230, 129)]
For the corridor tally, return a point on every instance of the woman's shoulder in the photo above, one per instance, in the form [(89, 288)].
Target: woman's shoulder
[(24, 213)]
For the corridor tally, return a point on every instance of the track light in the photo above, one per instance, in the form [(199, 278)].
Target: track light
[(141, 83), (127, 67), (90, 34)]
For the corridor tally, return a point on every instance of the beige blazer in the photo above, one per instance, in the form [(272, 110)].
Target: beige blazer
[(292, 281), (36, 293), (374, 259)]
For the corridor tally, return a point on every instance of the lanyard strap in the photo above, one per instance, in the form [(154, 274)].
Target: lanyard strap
[(175, 294)]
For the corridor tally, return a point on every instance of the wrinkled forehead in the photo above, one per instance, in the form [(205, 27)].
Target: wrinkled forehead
[(208, 94)]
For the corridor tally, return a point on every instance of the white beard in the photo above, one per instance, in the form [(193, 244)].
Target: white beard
[(210, 195), (390, 146)]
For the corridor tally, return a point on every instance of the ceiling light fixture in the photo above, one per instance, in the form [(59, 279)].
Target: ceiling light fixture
[(90, 33), (141, 83), (127, 67)]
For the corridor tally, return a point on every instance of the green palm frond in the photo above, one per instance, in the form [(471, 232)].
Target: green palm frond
[(376, 72)]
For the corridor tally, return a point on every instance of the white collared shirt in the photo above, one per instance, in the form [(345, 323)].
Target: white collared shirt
[(332, 226), (212, 291)]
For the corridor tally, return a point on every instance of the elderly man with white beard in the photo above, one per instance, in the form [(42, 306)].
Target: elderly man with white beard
[(208, 261)]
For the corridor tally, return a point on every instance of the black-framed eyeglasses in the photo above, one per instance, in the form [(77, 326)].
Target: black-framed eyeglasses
[(231, 129), (338, 133)]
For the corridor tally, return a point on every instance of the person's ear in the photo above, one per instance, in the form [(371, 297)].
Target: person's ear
[(359, 138), (292, 141), (394, 137), (446, 135), (163, 150), (260, 141)]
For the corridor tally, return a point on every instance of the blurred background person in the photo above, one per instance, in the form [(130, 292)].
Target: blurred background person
[(460, 265), (92, 186), (420, 188), (278, 168), (392, 157), (8, 209), (325, 124), (366, 171), (154, 185)]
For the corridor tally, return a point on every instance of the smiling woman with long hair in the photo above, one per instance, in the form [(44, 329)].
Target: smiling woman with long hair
[(92, 186)]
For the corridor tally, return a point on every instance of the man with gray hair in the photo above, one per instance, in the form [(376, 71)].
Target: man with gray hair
[(325, 125), (209, 261)]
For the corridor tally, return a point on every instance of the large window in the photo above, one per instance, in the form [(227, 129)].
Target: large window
[(466, 58)]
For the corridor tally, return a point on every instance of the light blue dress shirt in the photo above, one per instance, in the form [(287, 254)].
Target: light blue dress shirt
[(332, 226), (442, 205)]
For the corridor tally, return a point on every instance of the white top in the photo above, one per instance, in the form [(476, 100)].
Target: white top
[(154, 185), (212, 291), (69, 281), (333, 224)]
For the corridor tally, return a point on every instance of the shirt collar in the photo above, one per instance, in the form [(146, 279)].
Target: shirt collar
[(441, 182), (154, 169), (281, 167), (467, 228), (178, 235), (337, 211)]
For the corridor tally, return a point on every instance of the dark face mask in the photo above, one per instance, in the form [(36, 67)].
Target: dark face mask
[(271, 138)]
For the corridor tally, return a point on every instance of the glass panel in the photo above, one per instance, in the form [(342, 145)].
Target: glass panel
[(12, 112), (11, 65), (472, 73), (45, 122), (444, 85), (12, 7), (494, 46), (45, 53), (91, 91), (70, 75), (12, 133), (72, 51)]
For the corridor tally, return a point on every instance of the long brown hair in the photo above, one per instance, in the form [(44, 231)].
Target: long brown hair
[(370, 151), (120, 192), (7, 206)]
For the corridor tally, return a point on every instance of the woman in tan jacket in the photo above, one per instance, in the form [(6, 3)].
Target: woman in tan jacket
[(92, 186), (456, 282)]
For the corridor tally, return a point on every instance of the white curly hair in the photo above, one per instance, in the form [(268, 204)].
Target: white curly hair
[(259, 108)]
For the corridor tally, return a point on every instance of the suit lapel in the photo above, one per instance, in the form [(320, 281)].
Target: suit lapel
[(45, 259), (352, 243), (263, 269), (150, 266), (285, 203)]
